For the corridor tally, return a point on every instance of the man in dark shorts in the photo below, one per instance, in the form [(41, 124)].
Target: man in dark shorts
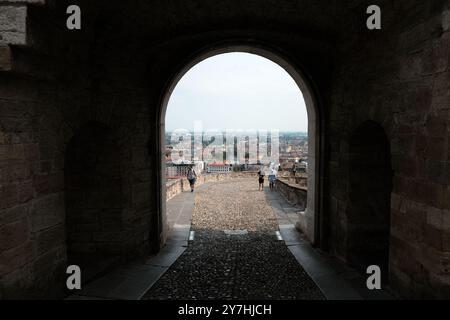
[(261, 179)]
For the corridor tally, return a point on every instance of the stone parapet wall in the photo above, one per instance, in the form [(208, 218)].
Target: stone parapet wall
[(294, 193), (301, 181), (297, 195)]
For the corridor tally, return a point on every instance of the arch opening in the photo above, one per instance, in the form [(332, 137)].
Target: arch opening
[(309, 219)]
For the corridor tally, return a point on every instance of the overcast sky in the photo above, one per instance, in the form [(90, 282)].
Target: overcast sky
[(237, 91)]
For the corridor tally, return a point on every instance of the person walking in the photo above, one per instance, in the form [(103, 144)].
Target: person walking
[(272, 178), (192, 177), (261, 175)]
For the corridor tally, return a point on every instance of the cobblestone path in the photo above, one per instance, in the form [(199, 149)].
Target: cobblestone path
[(220, 265)]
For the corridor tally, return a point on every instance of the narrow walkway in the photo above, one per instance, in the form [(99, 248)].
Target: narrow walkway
[(235, 253)]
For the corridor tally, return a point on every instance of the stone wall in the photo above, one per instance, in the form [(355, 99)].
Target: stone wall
[(293, 192), (32, 230), (399, 78), (296, 195), (116, 71), (50, 91)]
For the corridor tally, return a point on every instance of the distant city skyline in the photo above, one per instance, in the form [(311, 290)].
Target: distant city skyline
[(237, 132), (237, 91)]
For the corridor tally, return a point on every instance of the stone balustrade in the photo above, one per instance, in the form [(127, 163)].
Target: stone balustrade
[(296, 194)]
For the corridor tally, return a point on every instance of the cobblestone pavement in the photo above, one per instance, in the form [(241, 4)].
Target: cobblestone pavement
[(220, 265)]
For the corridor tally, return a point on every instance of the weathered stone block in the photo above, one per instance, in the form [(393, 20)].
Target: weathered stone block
[(16, 284), (411, 66), (5, 58), (31, 151), (13, 234), (436, 261), (434, 237), (439, 286), (437, 56), (50, 239), (446, 200), (8, 196), (438, 218), (396, 201), (438, 171), (428, 193), (437, 123), (13, 21), (406, 145), (49, 261), (406, 228), (41, 184), (408, 166), (19, 171), (13, 214), (446, 20), (431, 147), (47, 212), (404, 257), (399, 280), (13, 259), (12, 152), (25, 192), (441, 90)]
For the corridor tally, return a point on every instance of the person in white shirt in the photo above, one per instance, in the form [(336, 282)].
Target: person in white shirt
[(272, 178)]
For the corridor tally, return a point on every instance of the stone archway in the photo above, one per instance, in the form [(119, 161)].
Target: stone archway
[(309, 222), (369, 198)]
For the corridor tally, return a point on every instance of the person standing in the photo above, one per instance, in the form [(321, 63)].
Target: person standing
[(192, 177), (272, 178), (261, 175)]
